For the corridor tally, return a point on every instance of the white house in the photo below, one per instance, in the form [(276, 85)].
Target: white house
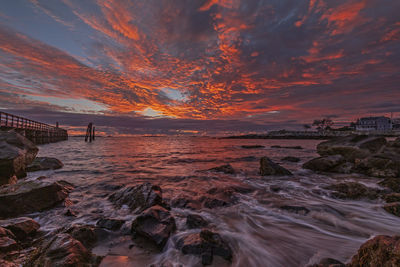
[(381, 124)]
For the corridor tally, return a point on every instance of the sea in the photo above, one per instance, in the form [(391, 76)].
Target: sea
[(259, 231)]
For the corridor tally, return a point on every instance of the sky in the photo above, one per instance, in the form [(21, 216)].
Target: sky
[(199, 66)]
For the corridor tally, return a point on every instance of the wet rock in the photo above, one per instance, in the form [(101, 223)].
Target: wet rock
[(291, 159), (205, 244), (288, 147), (352, 190), (325, 163), (138, 198), (31, 196), (252, 146), (390, 198), (296, 209), (391, 183), (7, 241), (15, 153), (268, 167), (22, 227), (328, 262), (228, 169), (393, 208), (110, 224), (377, 166), (155, 224), (86, 234), (345, 168), (195, 221), (44, 163), (379, 251), (63, 250), (351, 147)]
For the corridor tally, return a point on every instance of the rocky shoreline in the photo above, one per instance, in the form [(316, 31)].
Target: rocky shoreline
[(23, 242)]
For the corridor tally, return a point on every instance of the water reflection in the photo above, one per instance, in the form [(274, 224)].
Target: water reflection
[(259, 230)]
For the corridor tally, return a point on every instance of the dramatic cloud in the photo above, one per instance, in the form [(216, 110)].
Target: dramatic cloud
[(255, 62)]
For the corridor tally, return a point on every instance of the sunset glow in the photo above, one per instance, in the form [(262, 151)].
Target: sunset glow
[(258, 64)]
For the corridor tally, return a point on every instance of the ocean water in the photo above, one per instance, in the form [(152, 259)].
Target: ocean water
[(258, 230)]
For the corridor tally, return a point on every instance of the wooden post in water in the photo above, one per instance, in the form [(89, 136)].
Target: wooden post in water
[(89, 132), (93, 132)]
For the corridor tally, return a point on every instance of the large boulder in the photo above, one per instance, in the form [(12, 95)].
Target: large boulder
[(379, 251), (353, 190), (268, 167), (22, 227), (377, 166), (138, 198), (16, 152), (44, 163), (155, 224), (325, 163), (205, 244), (63, 250), (31, 196), (352, 147)]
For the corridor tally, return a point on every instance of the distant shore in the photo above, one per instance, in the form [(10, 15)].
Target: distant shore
[(306, 135)]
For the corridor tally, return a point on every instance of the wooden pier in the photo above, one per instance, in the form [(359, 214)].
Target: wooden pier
[(37, 132)]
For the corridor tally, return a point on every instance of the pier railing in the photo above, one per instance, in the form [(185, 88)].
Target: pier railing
[(37, 131)]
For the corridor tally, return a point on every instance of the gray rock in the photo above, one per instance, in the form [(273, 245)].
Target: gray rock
[(155, 224), (351, 147), (205, 244), (86, 234), (379, 251), (44, 163), (31, 196), (138, 198), (391, 183), (110, 224), (379, 166), (393, 208), (63, 250), (325, 163), (22, 227), (268, 167), (16, 152), (195, 221)]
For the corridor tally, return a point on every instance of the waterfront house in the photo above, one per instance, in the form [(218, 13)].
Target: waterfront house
[(381, 124)]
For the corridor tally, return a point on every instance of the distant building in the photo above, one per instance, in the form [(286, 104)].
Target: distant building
[(381, 124)]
